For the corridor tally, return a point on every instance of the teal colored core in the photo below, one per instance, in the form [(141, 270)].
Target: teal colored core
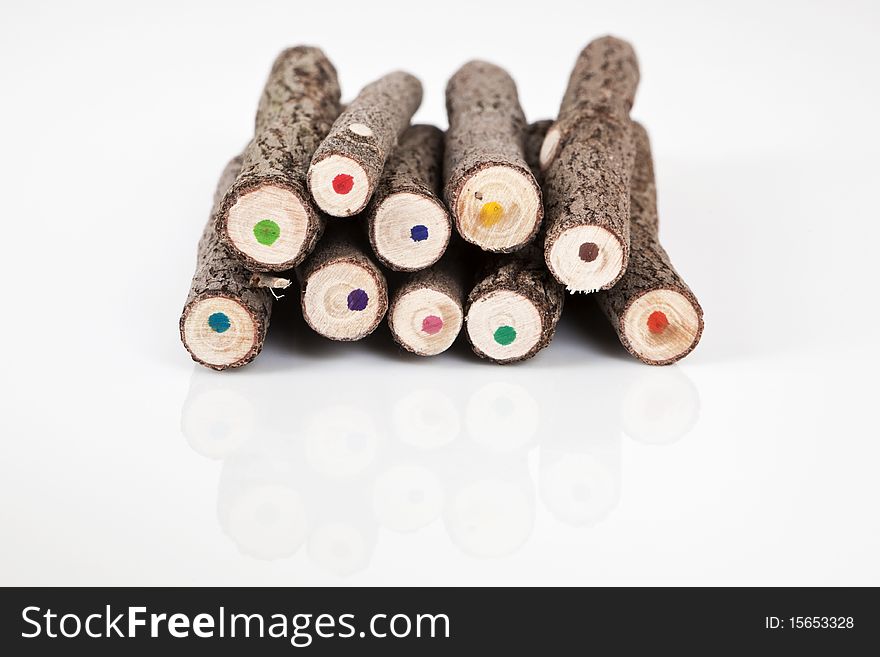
[(504, 335), (266, 232), (219, 322)]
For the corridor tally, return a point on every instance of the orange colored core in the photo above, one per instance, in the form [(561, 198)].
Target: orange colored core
[(657, 322)]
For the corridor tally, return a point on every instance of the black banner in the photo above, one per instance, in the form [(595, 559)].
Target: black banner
[(114, 621)]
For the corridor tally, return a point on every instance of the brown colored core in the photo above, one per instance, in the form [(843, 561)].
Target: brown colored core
[(588, 252)]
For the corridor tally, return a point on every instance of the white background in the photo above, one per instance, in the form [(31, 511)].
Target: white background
[(754, 461)]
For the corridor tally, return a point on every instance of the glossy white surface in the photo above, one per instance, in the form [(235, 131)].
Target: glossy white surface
[(754, 461)]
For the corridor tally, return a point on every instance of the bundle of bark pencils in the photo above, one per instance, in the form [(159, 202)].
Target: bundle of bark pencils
[(483, 228)]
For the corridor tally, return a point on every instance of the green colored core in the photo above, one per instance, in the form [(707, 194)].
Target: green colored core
[(504, 335), (266, 232)]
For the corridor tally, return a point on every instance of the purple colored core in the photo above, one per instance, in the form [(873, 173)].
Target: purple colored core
[(357, 299)]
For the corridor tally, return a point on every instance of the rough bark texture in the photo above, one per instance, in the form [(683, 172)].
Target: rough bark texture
[(486, 128), (649, 267), (343, 242), (588, 180), (385, 107), (447, 277), (299, 104), (605, 76), (523, 272), (219, 274), (414, 167), (532, 140)]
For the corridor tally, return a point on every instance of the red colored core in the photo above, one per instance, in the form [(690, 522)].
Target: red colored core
[(343, 183), (432, 324), (657, 322)]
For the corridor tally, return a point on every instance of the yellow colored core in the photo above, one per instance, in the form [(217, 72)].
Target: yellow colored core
[(491, 213)]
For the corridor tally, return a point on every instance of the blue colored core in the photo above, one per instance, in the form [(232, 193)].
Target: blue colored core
[(418, 233), (357, 299), (219, 322)]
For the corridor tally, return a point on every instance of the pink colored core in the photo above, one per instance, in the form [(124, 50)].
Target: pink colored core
[(657, 322), (343, 183), (432, 324)]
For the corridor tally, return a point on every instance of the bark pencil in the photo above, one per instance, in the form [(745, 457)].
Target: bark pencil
[(654, 312), (587, 159), (489, 188), (225, 318), (344, 294), (409, 226), (346, 167), (267, 217)]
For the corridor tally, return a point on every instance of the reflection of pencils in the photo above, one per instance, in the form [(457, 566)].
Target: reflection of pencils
[(225, 319), (654, 312)]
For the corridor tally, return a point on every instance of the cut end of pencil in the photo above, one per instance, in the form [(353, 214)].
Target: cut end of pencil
[(498, 208), (410, 231), (425, 321), (344, 301), (269, 226), (504, 325), (549, 147), (339, 185), (586, 258), (662, 326), (219, 331)]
